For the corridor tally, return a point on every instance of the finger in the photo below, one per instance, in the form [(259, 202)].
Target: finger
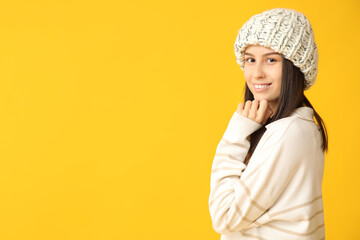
[(247, 108), (261, 112), (240, 108), (253, 109)]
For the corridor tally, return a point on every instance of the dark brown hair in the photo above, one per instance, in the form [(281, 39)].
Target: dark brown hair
[(291, 97)]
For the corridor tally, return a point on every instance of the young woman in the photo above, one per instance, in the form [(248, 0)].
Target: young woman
[(267, 171)]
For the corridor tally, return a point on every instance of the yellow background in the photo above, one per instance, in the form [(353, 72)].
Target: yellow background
[(111, 112)]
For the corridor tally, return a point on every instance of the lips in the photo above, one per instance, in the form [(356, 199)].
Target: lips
[(261, 87)]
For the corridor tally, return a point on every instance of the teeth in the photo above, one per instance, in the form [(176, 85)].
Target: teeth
[(261, 86)]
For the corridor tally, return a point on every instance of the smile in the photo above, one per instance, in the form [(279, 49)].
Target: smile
[(261, 87)]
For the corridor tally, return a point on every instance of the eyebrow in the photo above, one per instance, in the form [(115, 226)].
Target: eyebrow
[(266, 54)]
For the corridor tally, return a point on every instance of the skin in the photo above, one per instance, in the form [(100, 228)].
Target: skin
[(262, 66)]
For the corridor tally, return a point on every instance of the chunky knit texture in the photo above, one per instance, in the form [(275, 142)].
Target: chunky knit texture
[(285, 31)]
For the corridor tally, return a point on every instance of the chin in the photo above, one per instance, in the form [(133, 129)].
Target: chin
[(259, 98)]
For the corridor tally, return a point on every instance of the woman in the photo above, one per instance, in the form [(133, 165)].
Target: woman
[(268, 167)]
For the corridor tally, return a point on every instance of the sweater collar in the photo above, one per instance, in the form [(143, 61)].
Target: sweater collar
[(306, 113)]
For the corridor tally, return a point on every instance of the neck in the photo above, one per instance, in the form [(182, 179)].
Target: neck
[(273, 106)]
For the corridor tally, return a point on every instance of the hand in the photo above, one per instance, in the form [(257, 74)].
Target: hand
[(255, 110)]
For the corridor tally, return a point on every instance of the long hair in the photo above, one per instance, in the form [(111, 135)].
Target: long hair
[(291, 97)]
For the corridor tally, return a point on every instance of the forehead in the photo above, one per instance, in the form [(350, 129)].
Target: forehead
[(258, 49)]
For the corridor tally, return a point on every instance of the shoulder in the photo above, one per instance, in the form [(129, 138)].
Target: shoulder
[(295, 132), (300, 121), (300, 133), (288, 142)]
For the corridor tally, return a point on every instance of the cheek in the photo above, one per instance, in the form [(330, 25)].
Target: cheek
[(279, 74), (248, 83), (247, 76), (279, 80), (277, 77)]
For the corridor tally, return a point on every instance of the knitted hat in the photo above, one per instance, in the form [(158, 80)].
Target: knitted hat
[(286, 31)]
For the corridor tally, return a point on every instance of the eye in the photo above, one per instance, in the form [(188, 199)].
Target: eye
[(273, 59), (247, 60)]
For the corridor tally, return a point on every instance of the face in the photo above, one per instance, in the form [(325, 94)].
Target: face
[(263, 73)]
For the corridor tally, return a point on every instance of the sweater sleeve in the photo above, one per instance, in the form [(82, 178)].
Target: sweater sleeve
[(240, 194)]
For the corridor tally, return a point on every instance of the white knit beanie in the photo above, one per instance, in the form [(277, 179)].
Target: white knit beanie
[(286, 31)]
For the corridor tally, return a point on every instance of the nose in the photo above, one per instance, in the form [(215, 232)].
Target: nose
[(259, 71)]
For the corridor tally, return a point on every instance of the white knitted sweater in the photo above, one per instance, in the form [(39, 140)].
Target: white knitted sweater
[(278, 195)]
